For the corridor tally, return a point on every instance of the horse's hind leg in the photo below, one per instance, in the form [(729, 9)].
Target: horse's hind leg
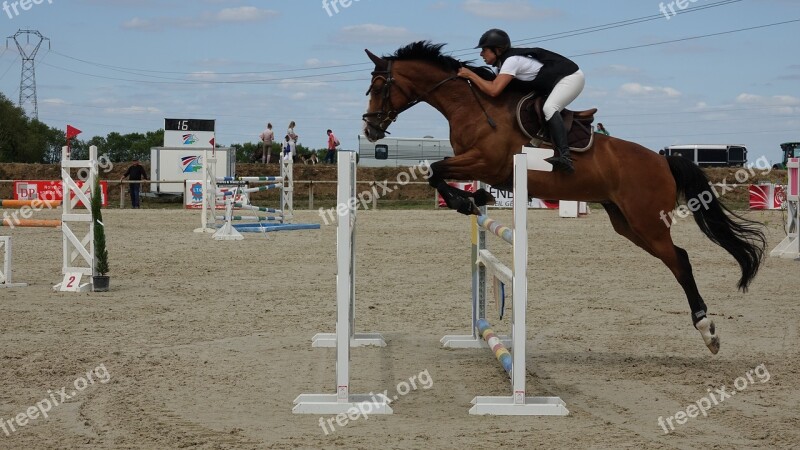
[(655, 239)]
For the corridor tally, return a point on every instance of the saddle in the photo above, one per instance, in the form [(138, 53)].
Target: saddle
[(530, 117)]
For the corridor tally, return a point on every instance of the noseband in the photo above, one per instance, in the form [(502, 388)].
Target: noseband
[(386, 115)]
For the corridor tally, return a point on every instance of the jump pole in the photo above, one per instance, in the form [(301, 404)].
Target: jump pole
[(342, 401), (31, 223), (790, 246), (518, 403), (49, 204)]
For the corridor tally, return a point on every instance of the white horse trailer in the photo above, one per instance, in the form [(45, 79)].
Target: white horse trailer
[(399, 152)]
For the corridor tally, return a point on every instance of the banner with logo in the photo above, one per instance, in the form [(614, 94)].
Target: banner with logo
[(767, 196), (193, 195), (50, 190), (503, 199)]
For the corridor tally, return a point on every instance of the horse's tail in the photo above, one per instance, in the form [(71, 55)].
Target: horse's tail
[(743, 239)]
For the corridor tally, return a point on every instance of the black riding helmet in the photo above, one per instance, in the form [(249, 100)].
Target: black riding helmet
[(495, 38)]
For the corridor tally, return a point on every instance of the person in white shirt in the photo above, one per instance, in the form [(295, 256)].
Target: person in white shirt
[(542, 71)]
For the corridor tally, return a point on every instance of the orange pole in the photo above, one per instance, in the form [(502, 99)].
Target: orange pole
[(32, 203), (31, 223)]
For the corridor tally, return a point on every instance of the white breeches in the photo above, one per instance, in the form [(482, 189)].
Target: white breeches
[(564, 93)]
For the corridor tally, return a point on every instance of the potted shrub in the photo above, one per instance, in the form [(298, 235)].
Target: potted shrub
[(100, 280)]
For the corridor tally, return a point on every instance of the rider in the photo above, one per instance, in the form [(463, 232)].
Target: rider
[(541, 70)]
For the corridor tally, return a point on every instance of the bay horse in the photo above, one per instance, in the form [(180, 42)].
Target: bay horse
[(637, 187)]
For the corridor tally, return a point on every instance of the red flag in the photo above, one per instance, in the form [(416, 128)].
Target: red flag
[(72, 132), (211, 142)]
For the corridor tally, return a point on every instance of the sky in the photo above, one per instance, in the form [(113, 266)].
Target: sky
[(660, 73)]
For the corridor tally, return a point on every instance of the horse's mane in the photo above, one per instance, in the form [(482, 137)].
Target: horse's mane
[(432, 53)]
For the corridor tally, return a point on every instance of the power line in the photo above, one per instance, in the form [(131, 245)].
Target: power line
[(622, 23), (686, 38), (14, 61), (547, 37), (284, 79)]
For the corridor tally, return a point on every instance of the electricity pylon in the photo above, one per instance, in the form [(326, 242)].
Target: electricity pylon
[(27, 82)]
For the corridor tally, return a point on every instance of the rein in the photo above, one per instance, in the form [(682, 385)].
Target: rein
[(385, 118)]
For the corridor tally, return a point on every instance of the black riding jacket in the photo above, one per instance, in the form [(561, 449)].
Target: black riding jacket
[(554, 67)]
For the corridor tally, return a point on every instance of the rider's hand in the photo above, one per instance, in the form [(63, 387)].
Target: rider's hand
[(463, 72)]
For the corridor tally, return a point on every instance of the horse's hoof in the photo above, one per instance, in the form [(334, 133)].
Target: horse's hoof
[(483, 197), (468, 208), (709, 332)]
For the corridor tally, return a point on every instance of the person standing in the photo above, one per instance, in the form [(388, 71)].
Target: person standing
[(330, 156), (135, 173), (267, 138), (289, 148), (602, 130), (290, 132)]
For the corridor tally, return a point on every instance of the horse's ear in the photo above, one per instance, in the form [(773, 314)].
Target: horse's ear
[(380, 63)]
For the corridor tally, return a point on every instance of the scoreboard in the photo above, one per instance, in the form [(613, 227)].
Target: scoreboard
[(188, 133)]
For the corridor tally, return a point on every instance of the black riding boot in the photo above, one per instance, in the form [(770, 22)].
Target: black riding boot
[(561, 160)]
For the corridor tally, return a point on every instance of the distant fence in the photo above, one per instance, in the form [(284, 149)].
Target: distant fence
[(310, 188)]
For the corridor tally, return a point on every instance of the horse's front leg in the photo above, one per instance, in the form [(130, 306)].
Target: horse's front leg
[(458, 168)]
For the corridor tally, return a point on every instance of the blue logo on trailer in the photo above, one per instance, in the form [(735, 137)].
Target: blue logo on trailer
[(191, 164)]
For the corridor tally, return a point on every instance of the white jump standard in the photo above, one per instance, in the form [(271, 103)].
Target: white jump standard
[(484, 262), (790, 246), (5, 274), (342, 401), (78, 253)]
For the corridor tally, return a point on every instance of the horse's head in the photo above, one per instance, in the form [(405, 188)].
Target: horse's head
[(381, 109), (403, 80)]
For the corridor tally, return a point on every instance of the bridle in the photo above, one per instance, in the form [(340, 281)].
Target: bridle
[(385, 116)]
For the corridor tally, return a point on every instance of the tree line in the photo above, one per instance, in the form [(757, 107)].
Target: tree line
[(26, 140)]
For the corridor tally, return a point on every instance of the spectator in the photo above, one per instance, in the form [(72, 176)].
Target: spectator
[(136, 173), (330, 156), (286, 148), (267, 138), (290, 132), (602, 130)]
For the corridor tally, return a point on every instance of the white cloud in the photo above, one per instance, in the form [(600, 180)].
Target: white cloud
[(780, 104), (375, 34), (134, 110), (139, 24), (636, 89), (53, 101), (507, 10), (204, 75), (616, 70), (242, 14)]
